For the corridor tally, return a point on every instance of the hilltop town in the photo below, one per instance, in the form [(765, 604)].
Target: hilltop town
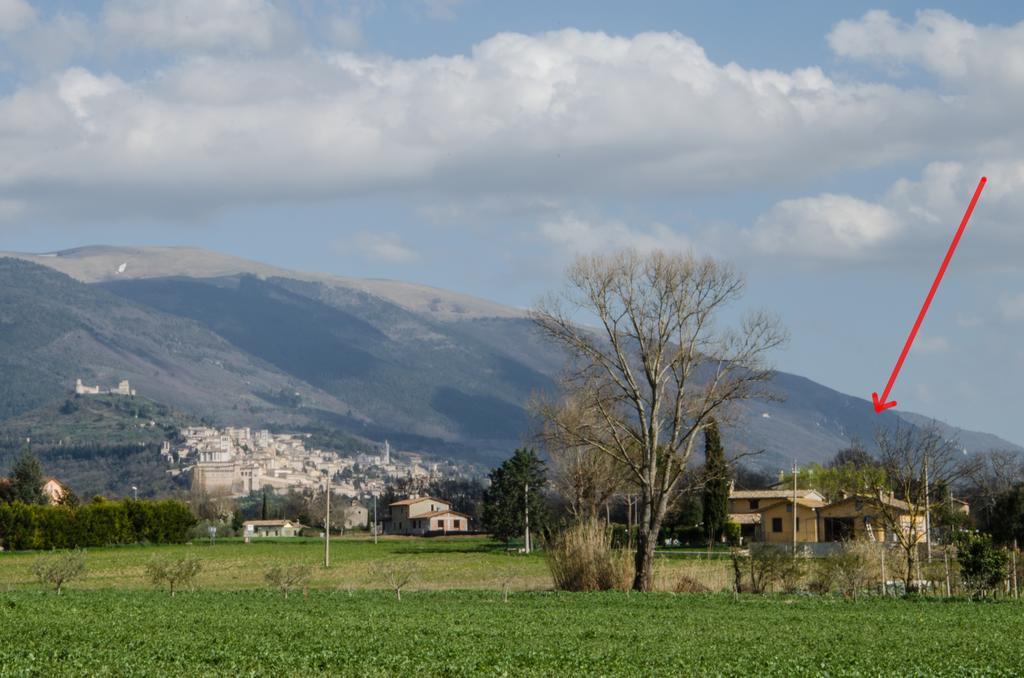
[(238, 461)]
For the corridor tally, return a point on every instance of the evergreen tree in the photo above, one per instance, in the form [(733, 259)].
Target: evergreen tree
[(27, 478), (264, 512), (505, 501), (716, 484)]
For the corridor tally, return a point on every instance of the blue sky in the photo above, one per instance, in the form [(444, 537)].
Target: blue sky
[(827, 149)]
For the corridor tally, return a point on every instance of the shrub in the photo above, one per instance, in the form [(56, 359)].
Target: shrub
[(288, 577), (581, 558), (983, 566), (176, 573), (99, 523), (732, 532), (849, 570), (687, 584), (770, 565), (59, 568)]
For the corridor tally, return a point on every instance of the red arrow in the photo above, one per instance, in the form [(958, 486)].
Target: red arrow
[(880, 403)]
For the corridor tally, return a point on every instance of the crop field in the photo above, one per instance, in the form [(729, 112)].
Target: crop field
[(464, 633)]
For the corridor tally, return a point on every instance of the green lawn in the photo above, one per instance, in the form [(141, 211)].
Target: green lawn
[(468, 633), (440, 563)]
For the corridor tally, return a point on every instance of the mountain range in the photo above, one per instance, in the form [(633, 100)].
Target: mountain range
[(238, 342)]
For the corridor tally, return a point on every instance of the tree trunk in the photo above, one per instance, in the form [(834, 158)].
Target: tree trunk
[(644, 577), (910, 584)]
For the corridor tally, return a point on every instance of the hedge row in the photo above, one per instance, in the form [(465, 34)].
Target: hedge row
[(101, 523)]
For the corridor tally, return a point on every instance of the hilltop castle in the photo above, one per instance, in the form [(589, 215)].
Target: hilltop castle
[(123, 389)]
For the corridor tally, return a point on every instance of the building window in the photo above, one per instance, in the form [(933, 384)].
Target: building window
[(798, 523), (458, 524), (789, 508), (776, 524), (755, 504), (440, 524)]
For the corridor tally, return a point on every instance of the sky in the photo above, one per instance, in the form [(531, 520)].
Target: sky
[(828, 150)]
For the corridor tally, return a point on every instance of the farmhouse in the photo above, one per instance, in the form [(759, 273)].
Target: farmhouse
[(777, 520), (858, 517), (424, 515), (745, 507), (272, 528)]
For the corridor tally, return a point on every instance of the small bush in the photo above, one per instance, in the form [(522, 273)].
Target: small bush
[(397, 574), (687, 584), (286, 578), (983, 565), (848, 570), (176, 573), (581, 558), (771, 566), (59, 568)]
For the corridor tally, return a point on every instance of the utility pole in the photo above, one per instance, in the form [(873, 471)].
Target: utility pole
[(374, 517), (1013, 557), (927, 513), (795, 507), (327, 524), (526, 505)]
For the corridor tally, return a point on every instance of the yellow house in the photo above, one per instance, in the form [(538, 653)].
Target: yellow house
[(424, 515), (745, 507), (858, 517), (777, 520)]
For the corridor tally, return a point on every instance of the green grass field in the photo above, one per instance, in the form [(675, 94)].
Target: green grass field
[(468, 633), (440, 563), (452, 620)]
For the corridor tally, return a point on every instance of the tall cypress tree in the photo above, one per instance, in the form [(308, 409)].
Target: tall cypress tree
[(505, 501), (716, 484), (264, 513)]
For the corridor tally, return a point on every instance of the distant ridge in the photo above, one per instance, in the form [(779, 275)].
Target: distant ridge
[(102, 263), (243, 343)]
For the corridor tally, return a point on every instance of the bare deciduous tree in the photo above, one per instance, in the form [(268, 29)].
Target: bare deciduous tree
[(397, 574), (658, 366), (915, 460), (57, 569), (585, 477), (288, 577)]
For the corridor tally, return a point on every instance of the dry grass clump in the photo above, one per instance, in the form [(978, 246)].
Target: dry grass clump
[(581, 558), (689, 585)]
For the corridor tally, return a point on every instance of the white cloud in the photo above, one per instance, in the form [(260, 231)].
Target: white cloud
[(578, 235), (195, 24), (15, 15), (546, 116), (953, 49), (1011, 306), (387, 247), (828, 226)]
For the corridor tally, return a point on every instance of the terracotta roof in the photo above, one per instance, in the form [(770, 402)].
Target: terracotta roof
[(438, 513), (808, 502), (890, 501), (416, 500), (769, 494)]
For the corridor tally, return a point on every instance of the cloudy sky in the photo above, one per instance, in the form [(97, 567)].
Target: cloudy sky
[(829, 151)]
